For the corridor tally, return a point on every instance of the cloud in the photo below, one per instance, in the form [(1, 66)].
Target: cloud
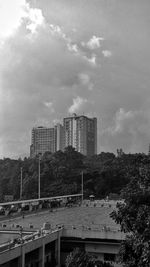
[(107, 53), (42, 58), (35, 18), (11, 13), (73, 47), (122, 118), (34, 71), (130, 131), (58, 31), (91, 60), (86, 81), (93, 43), (49, 105), (78, 104)]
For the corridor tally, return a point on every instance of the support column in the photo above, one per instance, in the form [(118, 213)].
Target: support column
[(57, 250), (21, 260), (23, 257), (42, 254)]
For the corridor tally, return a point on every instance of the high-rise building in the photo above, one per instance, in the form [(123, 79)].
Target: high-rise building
[(80, 132), (47, 139), (59, 137), (43, 139)]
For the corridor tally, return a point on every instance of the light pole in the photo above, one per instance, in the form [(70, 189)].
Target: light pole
[(82, 185), (21, 183), (39, 180)]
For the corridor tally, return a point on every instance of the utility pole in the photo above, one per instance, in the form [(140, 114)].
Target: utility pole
[(82, 186), (39, 180), (21, 183)]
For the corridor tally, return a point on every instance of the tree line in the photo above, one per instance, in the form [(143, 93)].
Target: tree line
[(105, 174)]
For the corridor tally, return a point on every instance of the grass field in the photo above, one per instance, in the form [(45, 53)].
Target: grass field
[(86, 216)]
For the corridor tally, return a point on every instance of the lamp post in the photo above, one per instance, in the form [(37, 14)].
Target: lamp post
[(39, 178), (82, 185), (21, 183)]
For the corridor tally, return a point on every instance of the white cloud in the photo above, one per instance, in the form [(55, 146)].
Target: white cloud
[(58, 31), (50, 106), (72, 47), (121, 118), (12, 13), (107, 53), (91, 60), (78, 104), (129, 130), (35, 18), (93, 43)]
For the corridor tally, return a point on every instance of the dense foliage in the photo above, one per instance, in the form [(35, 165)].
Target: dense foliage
[(104, 174), (134, 217), (80, 258)]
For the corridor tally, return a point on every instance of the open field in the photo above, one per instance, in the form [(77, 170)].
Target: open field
[(81, 216)]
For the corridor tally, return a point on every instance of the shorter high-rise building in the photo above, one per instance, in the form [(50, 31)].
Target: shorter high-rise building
[(80, 132), (43, 139)]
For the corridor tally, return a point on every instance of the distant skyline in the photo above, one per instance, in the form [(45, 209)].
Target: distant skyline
[(66, 56)]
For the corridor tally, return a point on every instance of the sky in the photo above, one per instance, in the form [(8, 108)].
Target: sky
[(87, 57)]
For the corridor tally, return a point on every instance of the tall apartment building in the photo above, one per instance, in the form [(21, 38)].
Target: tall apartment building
[(59, 137), (46, 139), (80, 132)]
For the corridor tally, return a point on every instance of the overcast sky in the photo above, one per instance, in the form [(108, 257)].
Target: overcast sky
[(90, 57)]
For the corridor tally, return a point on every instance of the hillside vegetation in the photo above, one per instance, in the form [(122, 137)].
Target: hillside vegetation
[(104, 174)]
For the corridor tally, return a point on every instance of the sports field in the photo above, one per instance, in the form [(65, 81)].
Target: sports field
[(81, 216)]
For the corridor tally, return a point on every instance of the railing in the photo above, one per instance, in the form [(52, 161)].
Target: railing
[(25, 239), (93, 231), (101, 203), (92, 227), (38, 199)]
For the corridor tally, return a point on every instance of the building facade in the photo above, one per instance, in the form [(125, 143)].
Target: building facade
[(43, 140), (59, 137), (80, 132), (47, 140)]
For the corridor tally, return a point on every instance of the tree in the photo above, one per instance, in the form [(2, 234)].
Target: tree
[(73, 159), (134, 218), (80, 258)]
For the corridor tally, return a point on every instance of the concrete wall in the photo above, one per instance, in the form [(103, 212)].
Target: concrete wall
[(43, 248), (34, 247)]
